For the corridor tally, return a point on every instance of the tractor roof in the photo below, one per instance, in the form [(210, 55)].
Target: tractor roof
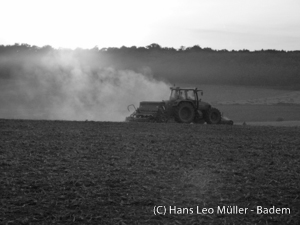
[(178, 88)]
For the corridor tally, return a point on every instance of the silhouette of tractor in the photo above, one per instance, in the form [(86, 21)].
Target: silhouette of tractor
[(184, 106)]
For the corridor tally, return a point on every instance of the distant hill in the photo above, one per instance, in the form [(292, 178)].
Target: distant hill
[(268, 68)]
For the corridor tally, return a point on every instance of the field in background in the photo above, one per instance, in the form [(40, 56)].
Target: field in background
[(272, 123), (252, 113)]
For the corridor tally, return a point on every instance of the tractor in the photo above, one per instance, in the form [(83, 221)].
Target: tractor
[(184, 106)]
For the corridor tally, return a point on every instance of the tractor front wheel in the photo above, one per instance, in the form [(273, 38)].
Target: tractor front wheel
[(212, 116), (184, 113)]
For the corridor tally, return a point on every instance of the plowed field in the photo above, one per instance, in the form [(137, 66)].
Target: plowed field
[(65, 172)]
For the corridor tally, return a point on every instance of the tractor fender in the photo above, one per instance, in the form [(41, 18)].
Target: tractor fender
[(203, 106)]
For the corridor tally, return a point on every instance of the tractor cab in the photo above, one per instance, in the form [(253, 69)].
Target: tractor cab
[(191, 94)]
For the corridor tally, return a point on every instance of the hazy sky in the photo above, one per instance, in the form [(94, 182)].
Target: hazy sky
[(219, 24)]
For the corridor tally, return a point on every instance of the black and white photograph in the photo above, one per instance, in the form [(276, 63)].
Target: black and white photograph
[(154, 112)]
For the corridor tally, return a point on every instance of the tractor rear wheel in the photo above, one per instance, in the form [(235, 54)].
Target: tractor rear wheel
[(212, 116), (184, 113)]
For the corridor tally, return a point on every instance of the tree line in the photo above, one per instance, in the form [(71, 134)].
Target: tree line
[(196, 65), (152, 47)]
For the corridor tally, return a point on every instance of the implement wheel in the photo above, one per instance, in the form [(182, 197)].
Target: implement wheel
[(162, 116)]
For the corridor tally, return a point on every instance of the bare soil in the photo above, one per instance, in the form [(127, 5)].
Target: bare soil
[(66, 172)]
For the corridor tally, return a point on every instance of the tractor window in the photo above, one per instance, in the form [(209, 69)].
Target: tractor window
[(174, 94), (182, 95), (191, 95)]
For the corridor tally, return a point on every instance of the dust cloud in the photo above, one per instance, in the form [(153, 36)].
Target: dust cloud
[(61, 86)]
